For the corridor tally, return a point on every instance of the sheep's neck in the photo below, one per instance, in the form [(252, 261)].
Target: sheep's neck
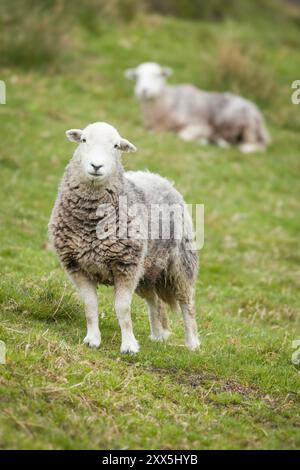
[(103, 193), (154, 111), (92, 189), (158, 113)]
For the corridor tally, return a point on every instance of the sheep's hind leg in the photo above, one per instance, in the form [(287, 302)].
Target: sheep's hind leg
[(248, 147), (250, 143), (158, 318), (123, 298), (191, 335), (88, 293)]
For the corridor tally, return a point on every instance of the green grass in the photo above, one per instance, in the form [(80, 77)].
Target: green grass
[(241, 389)]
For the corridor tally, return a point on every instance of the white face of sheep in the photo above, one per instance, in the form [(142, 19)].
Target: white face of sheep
[(99, 149), (150, 79)]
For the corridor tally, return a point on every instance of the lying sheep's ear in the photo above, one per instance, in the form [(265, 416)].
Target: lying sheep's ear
[(74, 135), (126, 146), (166, 71), (130, 74)]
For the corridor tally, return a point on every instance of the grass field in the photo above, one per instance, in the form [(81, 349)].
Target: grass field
[(241, 389)]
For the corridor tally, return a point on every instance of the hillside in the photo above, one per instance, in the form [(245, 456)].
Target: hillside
[(241, 389)]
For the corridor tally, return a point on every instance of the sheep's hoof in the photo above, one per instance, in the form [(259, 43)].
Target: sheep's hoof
[(131, 347), (193, 344), (163, 335), (92, 341), (250, 148)]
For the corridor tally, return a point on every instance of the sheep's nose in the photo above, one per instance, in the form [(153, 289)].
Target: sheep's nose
[(96, 167)]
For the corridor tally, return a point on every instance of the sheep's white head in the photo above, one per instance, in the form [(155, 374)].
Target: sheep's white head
[(99, 149), (150, 79)]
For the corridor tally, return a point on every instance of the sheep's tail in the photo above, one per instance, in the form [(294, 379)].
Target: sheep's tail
[(256, 136), (188, 254), (263, 135)]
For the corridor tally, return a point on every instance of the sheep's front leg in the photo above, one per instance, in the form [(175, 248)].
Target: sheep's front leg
[(88, 293), (123, 298), (196, 132)]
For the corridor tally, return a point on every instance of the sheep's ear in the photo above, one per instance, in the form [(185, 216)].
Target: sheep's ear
[(130, 74), (126, 146), (74, 135), (166, 71)]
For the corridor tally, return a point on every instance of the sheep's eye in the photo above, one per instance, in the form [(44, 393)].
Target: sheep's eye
[(116, 146), (83, 140)]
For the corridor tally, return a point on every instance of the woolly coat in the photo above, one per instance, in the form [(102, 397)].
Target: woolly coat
[(85, 212), (220, 115)]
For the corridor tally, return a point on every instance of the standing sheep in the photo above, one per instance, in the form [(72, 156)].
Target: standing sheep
[(222, 118), (96, 245)]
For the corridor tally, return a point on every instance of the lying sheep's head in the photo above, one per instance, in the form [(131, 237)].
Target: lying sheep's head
[(99, 149), (150, 79)]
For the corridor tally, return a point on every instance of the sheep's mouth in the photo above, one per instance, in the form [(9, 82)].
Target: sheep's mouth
[(146, 97), (96, 174)]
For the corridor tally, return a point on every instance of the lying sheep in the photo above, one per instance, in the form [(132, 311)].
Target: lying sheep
[(97, 245), (222, 118)]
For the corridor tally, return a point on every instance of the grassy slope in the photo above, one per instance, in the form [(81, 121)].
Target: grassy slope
[(240, 390)]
